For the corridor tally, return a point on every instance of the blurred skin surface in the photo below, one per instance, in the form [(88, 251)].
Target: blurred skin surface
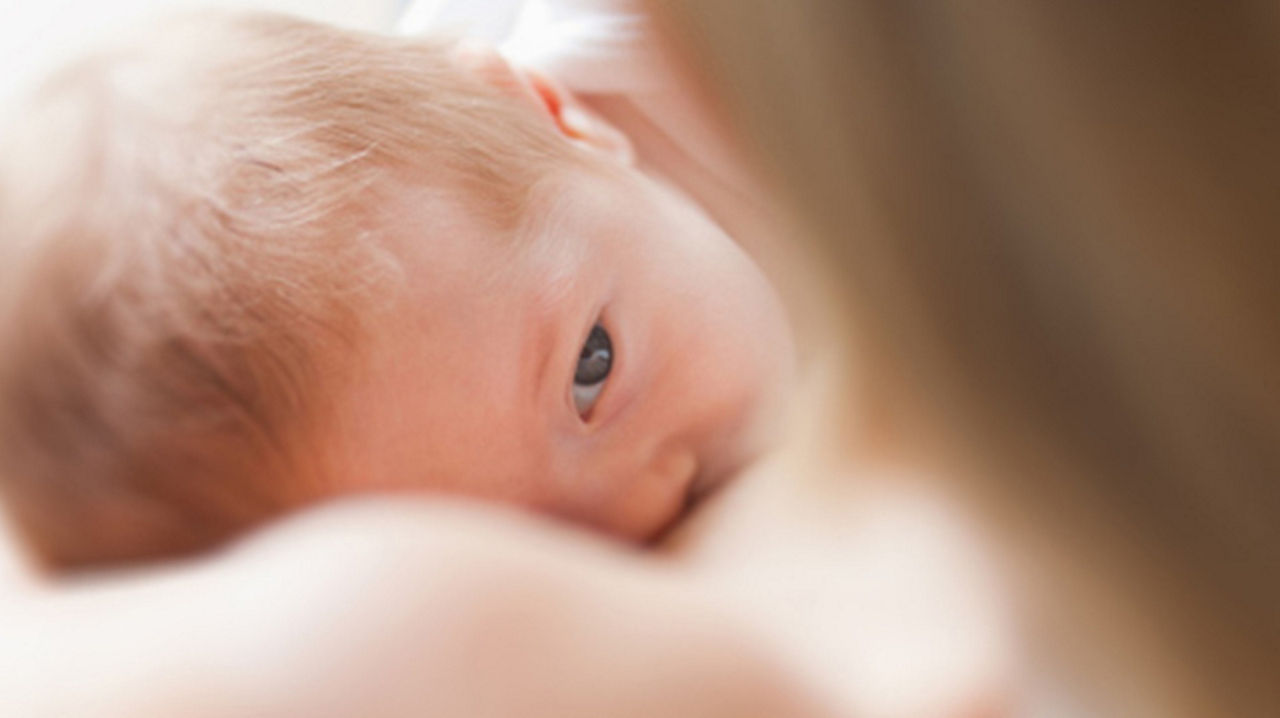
[(1055, 239), (391, 607)]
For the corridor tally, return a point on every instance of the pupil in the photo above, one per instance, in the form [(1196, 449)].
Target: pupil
[(596, 358)]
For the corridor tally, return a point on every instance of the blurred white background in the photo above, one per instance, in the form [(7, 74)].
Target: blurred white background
[(36, 35)]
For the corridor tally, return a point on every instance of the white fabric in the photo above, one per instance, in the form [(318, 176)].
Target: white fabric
[(488, 20), (590, 46)]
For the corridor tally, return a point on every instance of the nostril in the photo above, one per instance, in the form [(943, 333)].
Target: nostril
[(709, 481), (702, 485), (734, 449), (646, 502), (697, 489)]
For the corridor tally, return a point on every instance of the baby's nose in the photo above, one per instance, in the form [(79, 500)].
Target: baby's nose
[(656, 496)]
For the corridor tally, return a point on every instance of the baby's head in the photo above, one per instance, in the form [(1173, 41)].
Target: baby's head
[(256, 262)]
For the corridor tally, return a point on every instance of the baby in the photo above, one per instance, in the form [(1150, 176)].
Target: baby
[(255, 262)]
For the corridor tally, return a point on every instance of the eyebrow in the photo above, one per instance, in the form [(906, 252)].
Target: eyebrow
[(547, 244), (541, 349), (547, 336)]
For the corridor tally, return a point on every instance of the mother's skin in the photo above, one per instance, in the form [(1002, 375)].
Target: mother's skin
[(389, 607)]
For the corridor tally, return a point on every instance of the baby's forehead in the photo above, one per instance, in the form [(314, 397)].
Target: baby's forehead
[(445, 236), (432, 214), (450, 249), (572, 204)]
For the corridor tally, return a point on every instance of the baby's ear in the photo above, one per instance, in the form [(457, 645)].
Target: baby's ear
[(574, 120)]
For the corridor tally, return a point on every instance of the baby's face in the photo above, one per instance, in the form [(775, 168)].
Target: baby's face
[(624, 357)]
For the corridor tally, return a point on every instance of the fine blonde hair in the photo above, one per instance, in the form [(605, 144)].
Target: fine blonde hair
[(186, 243), (1056, 233)]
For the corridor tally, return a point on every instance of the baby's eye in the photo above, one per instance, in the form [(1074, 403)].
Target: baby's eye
[(594, 363)]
